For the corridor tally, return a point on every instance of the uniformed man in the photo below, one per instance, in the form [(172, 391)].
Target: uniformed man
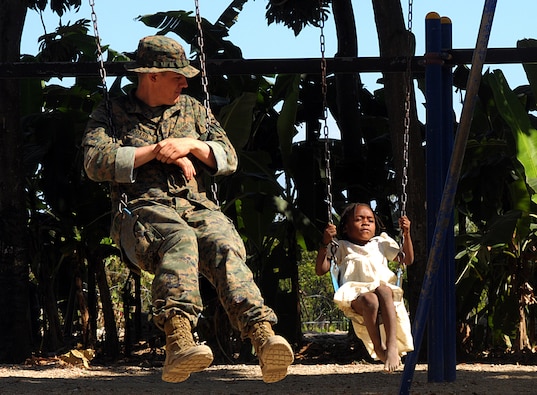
[(154, 153)]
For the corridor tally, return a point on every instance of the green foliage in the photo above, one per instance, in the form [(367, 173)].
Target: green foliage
[(69, 215), (183, 24), (277, 205), (297, 14), (118, 275), (496, 228), (310, 283), (319, 312), (57, 6)]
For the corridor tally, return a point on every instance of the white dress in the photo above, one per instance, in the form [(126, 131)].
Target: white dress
[(362, 269)]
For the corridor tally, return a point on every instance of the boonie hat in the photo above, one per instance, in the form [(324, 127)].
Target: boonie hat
[(156, 54)]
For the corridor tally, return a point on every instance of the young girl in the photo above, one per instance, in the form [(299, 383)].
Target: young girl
[(367, 293)]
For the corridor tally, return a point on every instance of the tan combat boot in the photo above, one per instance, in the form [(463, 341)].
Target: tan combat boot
[(274, 352), (183, 356)]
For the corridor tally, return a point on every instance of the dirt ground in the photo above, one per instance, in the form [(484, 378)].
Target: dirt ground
[(323, 365)]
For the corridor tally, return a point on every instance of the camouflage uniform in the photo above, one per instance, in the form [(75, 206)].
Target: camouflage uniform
[(170, 227)]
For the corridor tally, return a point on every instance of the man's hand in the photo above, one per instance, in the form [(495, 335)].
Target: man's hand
[(171, 149), (187, 166)]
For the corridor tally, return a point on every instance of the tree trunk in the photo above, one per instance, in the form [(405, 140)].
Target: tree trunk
[(394, 42), (111, 341), (348, 86), (15, 324), (52, 327), (84, 312)]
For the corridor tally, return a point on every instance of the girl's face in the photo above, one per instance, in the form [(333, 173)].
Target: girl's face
[(361, 227)]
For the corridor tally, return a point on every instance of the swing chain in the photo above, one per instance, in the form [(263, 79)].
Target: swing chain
[(324, 89), (406, 126), (201, 45), (205, 84), (406, 134), (334, 268), (102, 69)]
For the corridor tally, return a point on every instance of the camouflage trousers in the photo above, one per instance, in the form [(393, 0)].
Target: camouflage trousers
[(179, 243)]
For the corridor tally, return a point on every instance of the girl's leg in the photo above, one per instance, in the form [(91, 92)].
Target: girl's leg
[(367, 305), (389, 319)]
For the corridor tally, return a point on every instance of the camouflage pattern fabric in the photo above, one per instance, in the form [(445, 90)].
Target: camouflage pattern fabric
[(160, 53), (171, 228)]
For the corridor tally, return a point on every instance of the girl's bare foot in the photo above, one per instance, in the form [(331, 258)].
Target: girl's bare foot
[(392, 360), (381, 354)]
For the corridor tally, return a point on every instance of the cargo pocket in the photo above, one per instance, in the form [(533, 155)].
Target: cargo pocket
[(140, 241)]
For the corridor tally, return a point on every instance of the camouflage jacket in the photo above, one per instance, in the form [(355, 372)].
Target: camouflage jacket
[(109, 155)]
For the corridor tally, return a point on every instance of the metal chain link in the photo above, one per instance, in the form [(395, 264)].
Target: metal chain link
[(327, 155), (406, 126), (205, 84), (201, 45), (122, 207), (324, 89), (406, 134), (102, 69)]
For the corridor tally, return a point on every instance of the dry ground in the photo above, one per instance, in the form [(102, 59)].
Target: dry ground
[(321, 367)]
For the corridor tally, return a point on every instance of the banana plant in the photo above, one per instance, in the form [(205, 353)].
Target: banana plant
[(68, 214), (497, 225)]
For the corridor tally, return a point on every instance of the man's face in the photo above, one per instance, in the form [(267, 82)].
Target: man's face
[(168, 86)]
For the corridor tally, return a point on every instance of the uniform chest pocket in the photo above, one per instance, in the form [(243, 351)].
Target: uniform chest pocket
[(136, 136)]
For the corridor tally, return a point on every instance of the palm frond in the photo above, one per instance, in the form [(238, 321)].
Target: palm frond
[(230, 15)]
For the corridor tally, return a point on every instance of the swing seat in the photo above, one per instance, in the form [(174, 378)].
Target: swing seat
[(334, 268), (334, 274), (399, 274)]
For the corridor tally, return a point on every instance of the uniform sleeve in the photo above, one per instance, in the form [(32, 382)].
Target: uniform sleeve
[(215, 136), (104, 158)]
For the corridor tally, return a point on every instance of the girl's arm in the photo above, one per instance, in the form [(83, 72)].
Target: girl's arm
[(408, 248), (322, 265)]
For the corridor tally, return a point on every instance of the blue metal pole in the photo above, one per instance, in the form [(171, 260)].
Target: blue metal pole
[(435, 178), (450, 338), (448, 198)]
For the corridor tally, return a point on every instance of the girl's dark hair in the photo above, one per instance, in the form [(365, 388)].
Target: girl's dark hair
[(348, 213)]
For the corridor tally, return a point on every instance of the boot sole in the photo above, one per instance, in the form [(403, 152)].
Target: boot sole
[(277, 355), (193, 360)]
